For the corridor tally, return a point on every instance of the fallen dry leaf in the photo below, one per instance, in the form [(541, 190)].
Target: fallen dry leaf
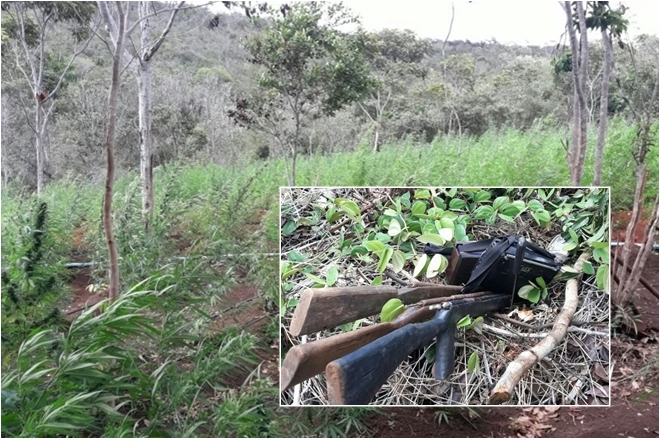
[(600, 372)]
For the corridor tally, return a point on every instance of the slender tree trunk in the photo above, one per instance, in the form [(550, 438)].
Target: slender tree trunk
[(584, 114), (113, 288), (39, 145), (604, 99), (144, 115), (579, 102)]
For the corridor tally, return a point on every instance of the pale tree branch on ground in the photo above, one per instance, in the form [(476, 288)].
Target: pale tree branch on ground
[(526, 360)]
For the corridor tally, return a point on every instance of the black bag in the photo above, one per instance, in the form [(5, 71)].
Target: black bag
[(493, 264)]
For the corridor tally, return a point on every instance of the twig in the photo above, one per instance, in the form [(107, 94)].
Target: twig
[(535, 327), (390, 273), (508, 334), (526, 360)]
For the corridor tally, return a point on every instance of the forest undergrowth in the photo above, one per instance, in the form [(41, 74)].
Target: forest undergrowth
[(150, 363)]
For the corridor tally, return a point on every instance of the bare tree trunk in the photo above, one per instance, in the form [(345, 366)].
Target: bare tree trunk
[(39, 145), (144, 115), (604, 99), (113, 288), (579, 103), (584, 68)]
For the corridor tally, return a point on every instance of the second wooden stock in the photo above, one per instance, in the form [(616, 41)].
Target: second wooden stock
[(329, 307)]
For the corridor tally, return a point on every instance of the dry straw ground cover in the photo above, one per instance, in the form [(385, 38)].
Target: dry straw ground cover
[(327, 239)]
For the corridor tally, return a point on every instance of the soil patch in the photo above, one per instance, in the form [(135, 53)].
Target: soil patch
[(620, 221), (83, 294)]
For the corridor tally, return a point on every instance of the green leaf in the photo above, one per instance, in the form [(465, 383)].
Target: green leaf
[(457, 204), (481, 196), (431, 238), (601, 255), (510, 209), (483, 212), (446, 233), (540, 281), (523, 292), (573, 235), (385, 257), (500, 201), (472, 361), (588, 268), (543, 216), (377, 281), (534, 205), (333, 274), (422, 193), (446, 222), (437, 265), (316, 279), (569, 246), (375, 245), (332, 215), (464, 322), (602, 278), (421, 263), (390, 212), (418, 207), (600, 245), (477, 325), (459, 233), (289, 227), (392, 308), (506, 218), (534, 295), (398, 261), (394, 228)]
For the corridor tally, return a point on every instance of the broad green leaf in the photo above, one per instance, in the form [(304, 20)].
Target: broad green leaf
[(588, 268), (472, 362), (540, 281), (510, 209), (358, 250), (385, 257), (356, 324), (569, 246), (600, 244), (601, 255), (500, 201), (543, 216), (377, 281), (481, 196), (477, 325), (289, 227), (421, 263), (459, 233), (446, 222), (437, 265), (375, 245), (483, 212), (534, 205), (392, 308), (457, 204), (418, 207), (332, 215), (398, 261), (390, 212), (464, 322), (394, 228), (431, 238), (573, 235), (446, 233), (523, 292), (333, 274), (534, 295), (422, 193)]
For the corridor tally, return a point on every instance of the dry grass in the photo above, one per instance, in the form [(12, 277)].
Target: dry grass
[(569, 376)]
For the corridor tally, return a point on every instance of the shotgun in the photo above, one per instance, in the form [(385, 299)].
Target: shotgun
[(307, 360), (355, 378)]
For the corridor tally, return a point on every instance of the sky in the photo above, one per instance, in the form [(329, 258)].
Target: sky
[(530, 22)]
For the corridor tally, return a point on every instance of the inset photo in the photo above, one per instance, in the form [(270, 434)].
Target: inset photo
[(445, 296)]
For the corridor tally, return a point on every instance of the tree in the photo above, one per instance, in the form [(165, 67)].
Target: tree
[(580, 60), (144, 54), (29, 27), (610, 23), (393, 57), (122, 17), (310, 69)]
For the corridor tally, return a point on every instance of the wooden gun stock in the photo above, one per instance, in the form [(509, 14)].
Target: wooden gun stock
[(356, 377), (319, 309)]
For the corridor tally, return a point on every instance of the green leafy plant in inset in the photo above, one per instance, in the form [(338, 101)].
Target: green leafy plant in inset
[(533, 292), (392, 308)]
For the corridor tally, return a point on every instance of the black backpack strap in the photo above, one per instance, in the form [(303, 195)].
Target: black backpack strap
[(493, 254)]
